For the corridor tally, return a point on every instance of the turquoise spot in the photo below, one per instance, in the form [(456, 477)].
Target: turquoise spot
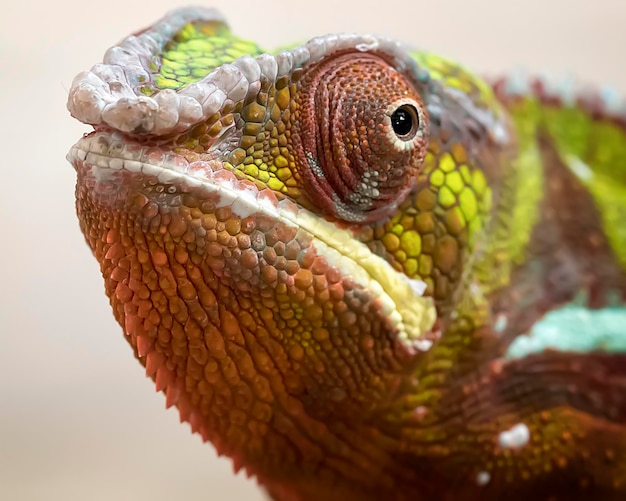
[(500, 324), (574, 328)]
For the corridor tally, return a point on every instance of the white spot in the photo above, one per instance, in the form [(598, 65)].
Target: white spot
[(499, 133), (516, 437), (475, 289), (483, 478), (420, 412), (500, 324), (417, 286), (579, 168), (422, 344)]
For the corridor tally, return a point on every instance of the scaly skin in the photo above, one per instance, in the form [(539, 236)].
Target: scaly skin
[(349, 300)]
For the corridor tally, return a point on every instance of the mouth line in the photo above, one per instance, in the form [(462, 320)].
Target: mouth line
[(401, 298)]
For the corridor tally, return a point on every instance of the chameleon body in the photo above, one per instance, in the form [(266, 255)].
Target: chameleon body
[(359, 270)]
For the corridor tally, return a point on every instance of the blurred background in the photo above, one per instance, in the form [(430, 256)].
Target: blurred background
[(78, 419)]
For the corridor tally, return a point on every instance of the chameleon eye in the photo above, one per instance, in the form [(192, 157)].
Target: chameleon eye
[(361, 133), (405, 122)]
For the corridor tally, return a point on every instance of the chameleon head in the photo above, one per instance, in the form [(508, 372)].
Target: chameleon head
[(220, 208)]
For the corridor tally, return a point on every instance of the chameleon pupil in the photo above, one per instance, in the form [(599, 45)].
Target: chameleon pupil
[(404, 121)]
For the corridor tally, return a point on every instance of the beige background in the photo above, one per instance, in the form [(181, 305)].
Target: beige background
[(78, 420)]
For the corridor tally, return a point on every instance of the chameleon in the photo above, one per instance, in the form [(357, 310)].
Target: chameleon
[(358, 269)]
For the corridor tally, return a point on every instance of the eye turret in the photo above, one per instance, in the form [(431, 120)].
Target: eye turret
[(361, 131)]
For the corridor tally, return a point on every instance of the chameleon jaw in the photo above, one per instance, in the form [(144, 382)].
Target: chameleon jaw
[(105, 156)]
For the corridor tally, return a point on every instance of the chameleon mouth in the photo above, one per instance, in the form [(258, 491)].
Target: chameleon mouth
[(107, 156)]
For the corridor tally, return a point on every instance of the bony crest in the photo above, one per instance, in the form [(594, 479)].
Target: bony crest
[(339, 123)]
